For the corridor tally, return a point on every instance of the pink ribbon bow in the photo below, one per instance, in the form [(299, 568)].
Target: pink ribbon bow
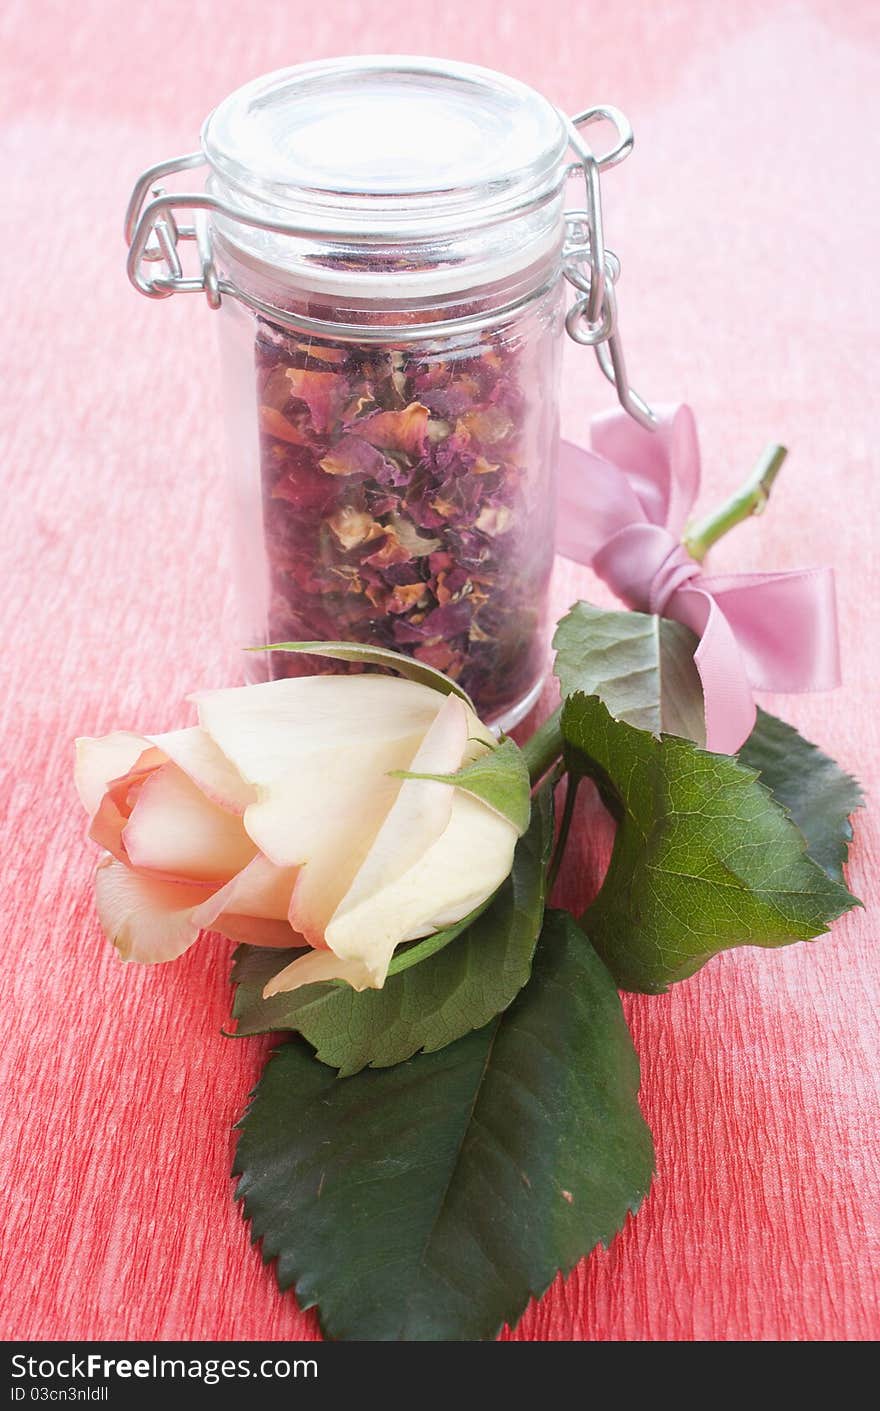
[(623, 507)]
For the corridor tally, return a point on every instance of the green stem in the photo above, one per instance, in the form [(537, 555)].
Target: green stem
[(544, 747), (750, 499), (571, 789)]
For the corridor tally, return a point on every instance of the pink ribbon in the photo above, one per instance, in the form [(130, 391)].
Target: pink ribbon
[(622, 510)]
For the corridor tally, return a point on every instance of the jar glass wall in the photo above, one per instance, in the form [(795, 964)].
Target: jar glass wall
[(401, 495), (383, 238)]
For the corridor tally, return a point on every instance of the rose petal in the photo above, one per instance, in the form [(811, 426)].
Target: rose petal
[(353, 527), (389, 828), (147, 919), (315, 966), (352, 456), (421, 810), (495, 520), (324, 393), (320, 751), (193, 751), (488, 424), (313, 747), (175, 830), (260, 891), (396, 431), (413, 829), (363, 790), (99, 761), (150, 919), (110, 771), (257, 931), (275, 424), (464, 866), (118, 800), (322, 352)]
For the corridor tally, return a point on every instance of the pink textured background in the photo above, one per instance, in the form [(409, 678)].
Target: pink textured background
[(747, 224)]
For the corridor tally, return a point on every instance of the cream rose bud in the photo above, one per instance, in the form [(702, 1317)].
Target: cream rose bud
[(277, 820)]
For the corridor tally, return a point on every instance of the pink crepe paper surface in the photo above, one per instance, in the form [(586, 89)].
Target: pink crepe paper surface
[(746, 221)]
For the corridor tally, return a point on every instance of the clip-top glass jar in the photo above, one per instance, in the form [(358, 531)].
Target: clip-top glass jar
[(385, 239)]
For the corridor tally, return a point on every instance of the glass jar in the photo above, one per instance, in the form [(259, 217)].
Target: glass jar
[(385, 239)]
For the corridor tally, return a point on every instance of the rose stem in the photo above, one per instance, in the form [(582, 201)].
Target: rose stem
[(544, 747), (571, 788), (750, 499)]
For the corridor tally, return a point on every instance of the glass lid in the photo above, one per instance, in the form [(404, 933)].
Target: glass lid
[(402, 142)]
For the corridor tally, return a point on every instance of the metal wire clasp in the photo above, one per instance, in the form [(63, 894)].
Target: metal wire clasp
[(156, 222), (590, 267), (153, 232)]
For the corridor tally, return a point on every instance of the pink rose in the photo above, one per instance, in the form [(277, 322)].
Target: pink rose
[(276, 821)]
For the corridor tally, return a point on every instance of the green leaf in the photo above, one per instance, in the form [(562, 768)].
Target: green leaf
[(254, 966), (499, 779), (642, 667), (817, 793), (428, 1202), (704, 858), (424, 1007), (375, 656)]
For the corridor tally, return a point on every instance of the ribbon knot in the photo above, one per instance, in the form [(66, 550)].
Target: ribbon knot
[(645, 565), (622, 510)]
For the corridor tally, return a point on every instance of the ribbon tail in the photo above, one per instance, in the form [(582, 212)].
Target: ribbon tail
[(728, 704), (785, 625)]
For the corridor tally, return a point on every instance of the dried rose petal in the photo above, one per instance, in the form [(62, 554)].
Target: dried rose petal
[(353, 527), (397, 431), (303, 485), (407, 535), (487, 424), (275, 424), (276, 388), (439, 655), (352, 456), (495, 519), (396, 507), (322, 352), (392, 551), (407, 596), (321, 392)]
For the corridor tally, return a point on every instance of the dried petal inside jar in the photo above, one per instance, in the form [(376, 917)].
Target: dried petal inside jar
[(401, 506)]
